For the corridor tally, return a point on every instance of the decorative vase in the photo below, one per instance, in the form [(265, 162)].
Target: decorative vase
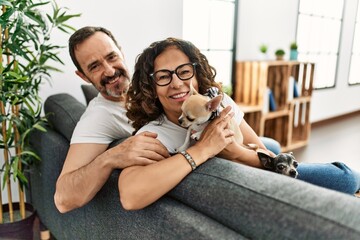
[(293, 54), (20, 229)]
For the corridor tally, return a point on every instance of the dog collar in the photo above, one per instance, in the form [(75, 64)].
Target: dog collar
[(214, 114)]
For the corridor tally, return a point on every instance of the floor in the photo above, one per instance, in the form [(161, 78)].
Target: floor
[(334, 140)]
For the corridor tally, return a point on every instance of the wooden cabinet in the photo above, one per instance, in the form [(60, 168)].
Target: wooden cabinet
[(290, 83)]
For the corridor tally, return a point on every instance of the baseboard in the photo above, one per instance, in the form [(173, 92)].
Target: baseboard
[(335, 119)]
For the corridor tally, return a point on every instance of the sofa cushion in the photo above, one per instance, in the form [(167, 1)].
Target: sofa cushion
[(63, 112), (89, 92)]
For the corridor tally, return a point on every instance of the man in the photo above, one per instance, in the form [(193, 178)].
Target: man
[(99, 61)]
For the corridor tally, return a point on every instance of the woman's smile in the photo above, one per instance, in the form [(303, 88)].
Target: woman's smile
[(180, 97)]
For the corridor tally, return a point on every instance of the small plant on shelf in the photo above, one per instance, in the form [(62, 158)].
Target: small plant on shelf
[(293, 51), (279, 54), (263, 48)]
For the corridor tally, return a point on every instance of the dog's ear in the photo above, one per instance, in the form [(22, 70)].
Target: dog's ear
[(213, 103), (266, 160)]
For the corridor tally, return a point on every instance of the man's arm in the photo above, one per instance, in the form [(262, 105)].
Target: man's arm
[(88, 166)]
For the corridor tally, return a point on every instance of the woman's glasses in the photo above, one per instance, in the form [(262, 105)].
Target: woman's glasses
[(183, 72)]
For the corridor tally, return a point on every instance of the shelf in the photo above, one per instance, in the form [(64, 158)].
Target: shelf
[(276, 114), (249, 108), (290, 123)]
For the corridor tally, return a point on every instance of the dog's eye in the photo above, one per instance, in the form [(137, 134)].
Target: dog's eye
[(190, 119), (280, 167), (295, 164)]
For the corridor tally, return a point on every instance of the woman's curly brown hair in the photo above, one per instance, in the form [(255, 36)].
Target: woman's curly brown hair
[(142, 103)]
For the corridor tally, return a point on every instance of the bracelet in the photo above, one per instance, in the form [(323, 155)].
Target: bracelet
[(189, 159)]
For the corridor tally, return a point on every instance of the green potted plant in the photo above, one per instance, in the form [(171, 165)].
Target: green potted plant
[(263, 49), (279, 53), (293, 51), (27, 59)]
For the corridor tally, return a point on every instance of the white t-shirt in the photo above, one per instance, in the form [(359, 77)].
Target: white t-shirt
[(172, 136), (102, 122)]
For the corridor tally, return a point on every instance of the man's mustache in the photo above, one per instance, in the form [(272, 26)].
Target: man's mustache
[(118, 73)]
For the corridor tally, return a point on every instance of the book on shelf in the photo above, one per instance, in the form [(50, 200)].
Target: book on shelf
[(296, 89), (266, 103), (272, 102), (291, 89)]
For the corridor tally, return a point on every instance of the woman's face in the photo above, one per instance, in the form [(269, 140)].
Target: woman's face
[(173, 95)]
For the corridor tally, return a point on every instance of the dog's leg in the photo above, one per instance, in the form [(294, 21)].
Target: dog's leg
[(186, 143), (196, 136)]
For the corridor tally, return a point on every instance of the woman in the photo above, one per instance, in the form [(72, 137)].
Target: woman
[(161, 82)]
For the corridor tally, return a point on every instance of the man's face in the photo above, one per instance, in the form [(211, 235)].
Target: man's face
[(104, 66)]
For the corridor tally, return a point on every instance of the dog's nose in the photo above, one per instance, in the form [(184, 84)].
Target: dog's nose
[(180, 120), (293, 173)]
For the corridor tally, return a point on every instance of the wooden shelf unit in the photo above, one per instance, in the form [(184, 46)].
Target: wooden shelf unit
[(290, 122)]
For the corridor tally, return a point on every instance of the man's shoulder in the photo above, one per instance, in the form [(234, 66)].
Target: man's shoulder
[(100, 105)]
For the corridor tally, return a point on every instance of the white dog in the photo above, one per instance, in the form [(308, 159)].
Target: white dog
[(198, 110)]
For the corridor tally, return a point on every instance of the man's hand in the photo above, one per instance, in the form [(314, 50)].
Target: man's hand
[(142, 149), (77, 185)]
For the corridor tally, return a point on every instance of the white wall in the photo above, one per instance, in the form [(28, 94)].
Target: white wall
[(273, 22)]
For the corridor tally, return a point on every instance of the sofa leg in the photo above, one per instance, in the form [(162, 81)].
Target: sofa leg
[(44, 232), (45, 235)]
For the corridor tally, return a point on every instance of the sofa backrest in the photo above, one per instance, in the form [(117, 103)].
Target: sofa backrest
[(63, 112), (89, 92)]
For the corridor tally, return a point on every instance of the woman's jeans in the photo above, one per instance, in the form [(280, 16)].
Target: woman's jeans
[(336, 176)]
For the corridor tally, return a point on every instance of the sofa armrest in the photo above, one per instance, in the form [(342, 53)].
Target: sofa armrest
[(52, 149)]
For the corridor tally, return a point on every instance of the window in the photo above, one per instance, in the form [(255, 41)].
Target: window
[(354, 75), (318, 37), (210, 26)]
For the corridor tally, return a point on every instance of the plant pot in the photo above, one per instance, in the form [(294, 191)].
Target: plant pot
[(293, 55), (21, 229), (279, 57)]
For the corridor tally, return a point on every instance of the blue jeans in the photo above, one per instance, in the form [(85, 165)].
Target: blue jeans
[(271, 144), (336, 176)]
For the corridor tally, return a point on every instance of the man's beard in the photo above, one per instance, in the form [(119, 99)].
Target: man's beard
[(120, 88)]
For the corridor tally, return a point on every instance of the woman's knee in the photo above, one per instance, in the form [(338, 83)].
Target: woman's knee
[(350, 178), (336, 176)]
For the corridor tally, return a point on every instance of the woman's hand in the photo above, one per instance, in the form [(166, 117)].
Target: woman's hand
[(217, 135)]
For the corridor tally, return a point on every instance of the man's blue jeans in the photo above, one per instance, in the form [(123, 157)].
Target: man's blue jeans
[(336, 176)]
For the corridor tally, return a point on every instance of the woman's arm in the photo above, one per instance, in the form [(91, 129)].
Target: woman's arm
[(239, 153), (139, 186)]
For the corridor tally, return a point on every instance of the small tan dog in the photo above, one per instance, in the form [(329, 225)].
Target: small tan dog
[(198, 110)]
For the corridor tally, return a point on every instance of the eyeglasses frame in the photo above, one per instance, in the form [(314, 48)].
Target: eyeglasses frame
[(152, 75)]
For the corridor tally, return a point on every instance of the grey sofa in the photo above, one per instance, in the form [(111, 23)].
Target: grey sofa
[(219, 200)]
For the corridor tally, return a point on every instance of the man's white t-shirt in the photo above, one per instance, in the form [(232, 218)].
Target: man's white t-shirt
[(102, 122), (172, 136)]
